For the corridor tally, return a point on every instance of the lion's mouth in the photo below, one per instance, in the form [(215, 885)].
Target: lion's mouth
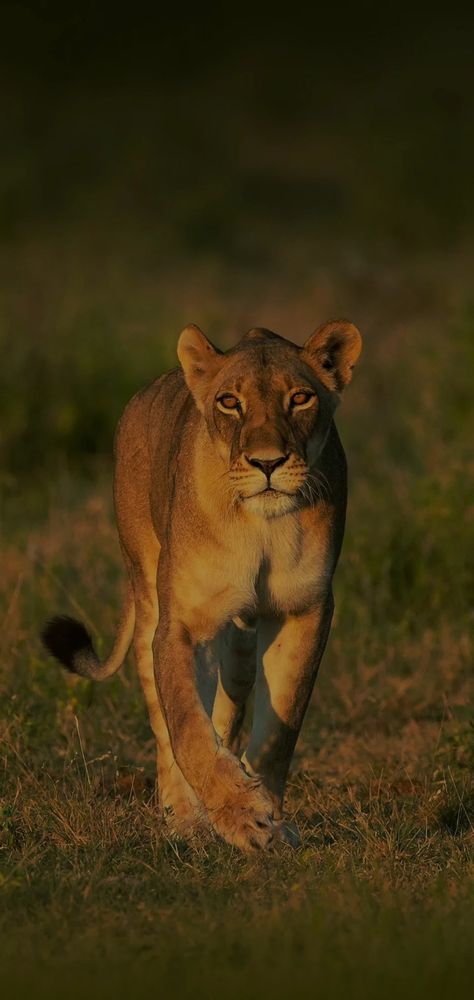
[(267, 492)]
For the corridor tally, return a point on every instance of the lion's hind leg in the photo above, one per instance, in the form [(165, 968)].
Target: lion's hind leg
[(237, 667), (181, 807)]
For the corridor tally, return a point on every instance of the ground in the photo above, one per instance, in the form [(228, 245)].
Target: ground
[(382, 781)]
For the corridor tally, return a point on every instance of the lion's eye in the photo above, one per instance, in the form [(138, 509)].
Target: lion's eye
[(301, 398), (228, 402)]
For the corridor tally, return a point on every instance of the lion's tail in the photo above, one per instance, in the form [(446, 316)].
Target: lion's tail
[(68, 640)]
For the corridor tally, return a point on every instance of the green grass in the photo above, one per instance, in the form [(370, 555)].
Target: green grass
[(96, 898), (335, 197)]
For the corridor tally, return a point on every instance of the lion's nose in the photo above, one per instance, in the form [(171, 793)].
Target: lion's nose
[(267, 466)]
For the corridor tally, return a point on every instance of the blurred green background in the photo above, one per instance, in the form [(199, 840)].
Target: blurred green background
[(224, 168)]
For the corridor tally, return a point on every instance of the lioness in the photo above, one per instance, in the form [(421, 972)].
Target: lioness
[(230, 494)]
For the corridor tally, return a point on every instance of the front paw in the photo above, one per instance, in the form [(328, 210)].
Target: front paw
[(241, 810)]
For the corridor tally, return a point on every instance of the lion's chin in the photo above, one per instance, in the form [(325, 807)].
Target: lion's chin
[(270, 503)]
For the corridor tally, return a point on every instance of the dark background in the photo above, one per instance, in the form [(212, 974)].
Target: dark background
[(159, 168)]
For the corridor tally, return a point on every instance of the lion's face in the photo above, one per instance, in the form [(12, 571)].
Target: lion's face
[(268, 416), (268, 412)]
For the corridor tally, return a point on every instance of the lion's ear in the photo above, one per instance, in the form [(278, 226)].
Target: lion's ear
[(200, 362), (332, 350)]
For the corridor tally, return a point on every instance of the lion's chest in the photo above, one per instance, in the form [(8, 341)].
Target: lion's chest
[(213, 586), (293, 568), (277, 568)]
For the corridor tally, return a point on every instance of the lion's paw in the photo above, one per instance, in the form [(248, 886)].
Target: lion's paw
[(182, 811), (183, 819), (286, 832), (244, 816)]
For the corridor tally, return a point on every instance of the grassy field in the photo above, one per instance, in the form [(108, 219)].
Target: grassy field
[(111, 243)]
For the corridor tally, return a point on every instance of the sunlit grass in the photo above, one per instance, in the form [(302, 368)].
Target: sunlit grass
[(381, 890)]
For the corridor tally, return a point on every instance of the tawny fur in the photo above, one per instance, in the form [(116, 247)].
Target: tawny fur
[(230, 494)]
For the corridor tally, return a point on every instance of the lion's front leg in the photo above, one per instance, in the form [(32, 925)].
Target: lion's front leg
[(289, 653), (238, 807)]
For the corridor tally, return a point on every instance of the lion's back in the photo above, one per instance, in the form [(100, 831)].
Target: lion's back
[(147, 443)]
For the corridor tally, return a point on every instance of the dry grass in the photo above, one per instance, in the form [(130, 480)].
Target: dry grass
[(382, 781)]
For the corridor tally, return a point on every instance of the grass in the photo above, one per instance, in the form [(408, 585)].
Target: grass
[(381, 894), (112, 244)]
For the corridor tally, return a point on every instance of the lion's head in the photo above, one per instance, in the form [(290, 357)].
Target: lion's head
[(268, 406)]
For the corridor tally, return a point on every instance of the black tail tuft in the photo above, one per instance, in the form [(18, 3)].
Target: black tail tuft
[(64, 638)]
